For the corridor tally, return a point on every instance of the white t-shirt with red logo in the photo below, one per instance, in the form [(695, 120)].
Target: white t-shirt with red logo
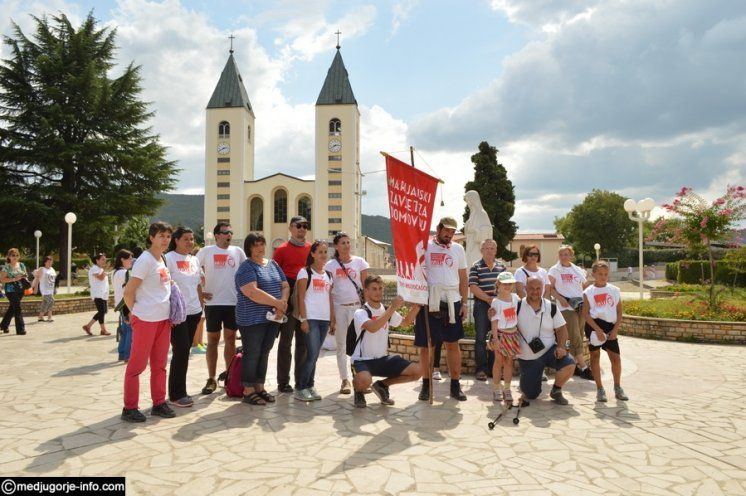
[(220, 267), (343, 291), (443, 263), (603, 301), (568, 281), (153, 295), (186, 273), (317, 294), (374, 344), (506, 312)]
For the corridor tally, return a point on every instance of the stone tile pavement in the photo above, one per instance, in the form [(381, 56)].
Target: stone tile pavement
[(682, 432)]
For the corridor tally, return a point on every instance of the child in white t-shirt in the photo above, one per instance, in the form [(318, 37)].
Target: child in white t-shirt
[(602, 312), (504, 341)]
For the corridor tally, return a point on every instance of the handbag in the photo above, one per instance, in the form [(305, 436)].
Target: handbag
[(25, 284)]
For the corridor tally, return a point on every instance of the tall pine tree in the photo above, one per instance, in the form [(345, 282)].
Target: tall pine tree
[(497, 194), (74, 139)]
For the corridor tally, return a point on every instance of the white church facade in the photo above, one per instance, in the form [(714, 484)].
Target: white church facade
[(331, 201)]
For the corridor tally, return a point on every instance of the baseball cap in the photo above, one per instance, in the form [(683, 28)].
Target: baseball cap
[(448, 223), (298, 219), (506, 278)]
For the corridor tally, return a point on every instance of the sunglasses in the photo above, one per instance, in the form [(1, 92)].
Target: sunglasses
[(533, 254), (227, 233), (301, 226)]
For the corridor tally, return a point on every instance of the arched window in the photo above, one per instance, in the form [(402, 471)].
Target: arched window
[(281, 206), (248, 134), (224, 130), (335, 126), (256, 214), (304, 207)]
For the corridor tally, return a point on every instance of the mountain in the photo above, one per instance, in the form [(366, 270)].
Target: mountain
[(188, 210)]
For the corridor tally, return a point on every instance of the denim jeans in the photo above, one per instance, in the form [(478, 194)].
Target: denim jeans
[(314, 338), (256, 342), (125, 339), (481, 327)]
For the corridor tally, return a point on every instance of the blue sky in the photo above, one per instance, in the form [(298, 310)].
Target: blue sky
[(640, 97)]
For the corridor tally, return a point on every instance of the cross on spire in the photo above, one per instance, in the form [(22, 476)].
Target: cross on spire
[(231, 37), (338, 33)]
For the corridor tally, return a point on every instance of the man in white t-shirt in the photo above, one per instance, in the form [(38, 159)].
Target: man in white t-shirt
[(445, 268), (371, 356), (220, 263), (540, 331)]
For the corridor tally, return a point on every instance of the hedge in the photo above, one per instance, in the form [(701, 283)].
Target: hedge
[(691, 272), (672, 271)]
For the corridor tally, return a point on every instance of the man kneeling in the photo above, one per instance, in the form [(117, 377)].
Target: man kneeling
[(371, 356)]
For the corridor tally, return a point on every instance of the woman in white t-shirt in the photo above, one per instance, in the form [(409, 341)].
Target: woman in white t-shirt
[(348, 273), (315, 312), (119, 278), (147, 295), (531, 258), (99, 287), (186, 272), (44, 279)]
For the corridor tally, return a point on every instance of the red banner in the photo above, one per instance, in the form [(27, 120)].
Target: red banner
[(411, 203)]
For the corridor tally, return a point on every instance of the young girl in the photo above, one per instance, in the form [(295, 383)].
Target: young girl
[(504, 340), (315, 313), (602, 312), (99, 281)]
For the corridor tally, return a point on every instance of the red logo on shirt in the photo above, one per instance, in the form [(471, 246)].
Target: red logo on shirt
[(440, 259), (183, 266), (319, 285), (603, 299), (509, 314), (340, 273), (164, 274), (220, 260), (567, 278)]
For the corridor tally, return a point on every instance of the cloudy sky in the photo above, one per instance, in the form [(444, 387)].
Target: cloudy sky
[(640, 97)]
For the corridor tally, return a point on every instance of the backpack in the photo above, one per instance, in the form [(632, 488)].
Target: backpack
[(352, 338), (553, 310), (233, 386)]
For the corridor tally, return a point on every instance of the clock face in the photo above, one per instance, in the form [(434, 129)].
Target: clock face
[(335, 145), (224, 148)]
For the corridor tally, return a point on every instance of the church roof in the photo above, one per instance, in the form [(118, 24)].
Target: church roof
[(283, 175), (230, 91), (336, 89)]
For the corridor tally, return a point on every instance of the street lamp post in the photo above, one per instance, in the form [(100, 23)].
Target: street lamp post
[(639, 212), (597, 247), (70, 218), (37, 235)]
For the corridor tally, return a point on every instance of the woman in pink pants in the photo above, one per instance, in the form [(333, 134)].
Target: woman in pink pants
[(147, 294)]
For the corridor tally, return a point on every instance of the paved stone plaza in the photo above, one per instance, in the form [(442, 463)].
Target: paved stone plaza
[(682, 432)]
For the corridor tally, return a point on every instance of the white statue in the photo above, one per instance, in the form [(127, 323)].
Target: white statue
[(477, 227)]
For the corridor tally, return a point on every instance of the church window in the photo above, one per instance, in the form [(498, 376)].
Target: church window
[(335, 195), (304, 207), (335, 220), (224, 209), (256, 214), (224, 160), (335, 127), (227, 221), (224, 130), (335, 182), (281, 206), (335, 158), (224, 172), (224, 185), (248, 134), (224, 197), (335, 208), (335, 170)]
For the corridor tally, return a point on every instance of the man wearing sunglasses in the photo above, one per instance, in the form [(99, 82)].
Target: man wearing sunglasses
[(220, 262), (291, 257)]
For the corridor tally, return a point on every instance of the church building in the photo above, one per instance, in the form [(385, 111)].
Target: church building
[(331, 202)]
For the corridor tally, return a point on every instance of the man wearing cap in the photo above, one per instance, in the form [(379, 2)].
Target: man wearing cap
[(482, 277), (291, 257), (445, 268)]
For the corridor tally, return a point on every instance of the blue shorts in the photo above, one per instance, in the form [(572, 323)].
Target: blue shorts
[(440, 329), (388, 366), (531, 371)]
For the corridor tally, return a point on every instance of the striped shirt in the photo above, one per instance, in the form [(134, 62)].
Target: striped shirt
[(482, 276), (268, 278)]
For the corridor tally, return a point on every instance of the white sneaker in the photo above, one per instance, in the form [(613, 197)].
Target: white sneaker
[(303, 395), (436, 375), (497, 396)]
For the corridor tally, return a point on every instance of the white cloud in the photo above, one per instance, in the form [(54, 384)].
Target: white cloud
[(401, 12)]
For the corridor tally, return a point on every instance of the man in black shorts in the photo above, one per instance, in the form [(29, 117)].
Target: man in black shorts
[(371, 356)]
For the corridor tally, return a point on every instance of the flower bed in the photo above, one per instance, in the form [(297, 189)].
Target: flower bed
[(699, 331)]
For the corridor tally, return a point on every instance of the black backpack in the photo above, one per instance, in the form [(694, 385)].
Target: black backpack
[(352, 338)]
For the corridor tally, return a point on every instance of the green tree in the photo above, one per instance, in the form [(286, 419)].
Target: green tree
[(497, 194), (600, 218), (74, 139)]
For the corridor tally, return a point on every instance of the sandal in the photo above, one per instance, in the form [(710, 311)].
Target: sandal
[(254, 399), (87, 330), (266, 396)]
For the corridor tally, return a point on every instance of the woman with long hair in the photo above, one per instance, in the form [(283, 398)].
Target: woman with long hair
[(11, 275), (119, 278), (147, 295), (99, 282), (186, 272)]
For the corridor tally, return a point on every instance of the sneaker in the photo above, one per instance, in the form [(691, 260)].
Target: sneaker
[(601, 396), (314, 394), (508, 396), (619, 393), (132, 415), (360, 400), (497, 395), (285, 388), (163, 410), (197, 350), (556, 395), (586, 374), (210, 387), (184, 402), (481, 376), (457, 393), (382, 391), (303, 395), (436, 375), (346, 388)]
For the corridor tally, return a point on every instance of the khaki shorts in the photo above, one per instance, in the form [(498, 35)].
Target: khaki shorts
[(574, 331)]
